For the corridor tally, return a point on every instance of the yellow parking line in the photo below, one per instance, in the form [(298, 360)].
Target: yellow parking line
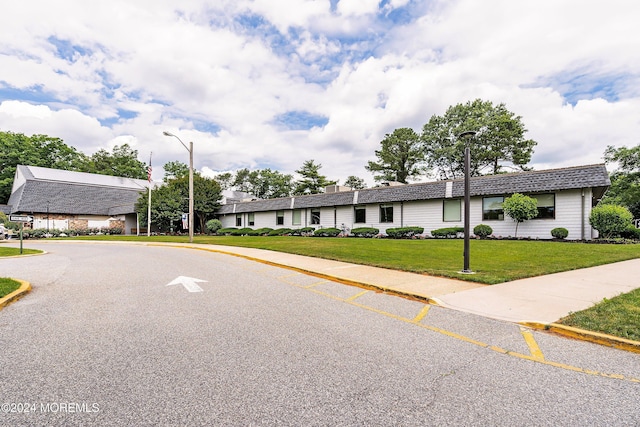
[(422, 313), (358, 295), (536, 353)]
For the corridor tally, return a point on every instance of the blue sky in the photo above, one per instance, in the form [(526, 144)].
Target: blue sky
[(272, 83)]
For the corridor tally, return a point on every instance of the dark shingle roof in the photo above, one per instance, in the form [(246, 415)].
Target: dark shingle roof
[(590, 176), (72, 198)]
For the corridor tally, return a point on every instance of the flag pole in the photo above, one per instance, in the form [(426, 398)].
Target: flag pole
[(149, 203)]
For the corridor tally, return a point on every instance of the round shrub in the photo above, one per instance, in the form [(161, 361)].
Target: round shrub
[(226, 231), (327, 232), (280, 231), (631, 233), (610, 220), (482, 230), (213, 225), (404, 232), (447, 232), (560, 233), (365, 232)]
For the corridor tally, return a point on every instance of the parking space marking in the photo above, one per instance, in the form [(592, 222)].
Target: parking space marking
[(358, 295), (422, 313), (531, 343)]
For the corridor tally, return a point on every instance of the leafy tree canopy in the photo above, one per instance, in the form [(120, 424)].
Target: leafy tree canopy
[(122, 161), (520, 208), (311, 182), (264, 183), (400, 157), (175, 169), (355, 183), (500, 138), (625, 181)]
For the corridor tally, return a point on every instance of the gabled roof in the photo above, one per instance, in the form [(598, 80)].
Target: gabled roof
[(590, 176), (42, 190)]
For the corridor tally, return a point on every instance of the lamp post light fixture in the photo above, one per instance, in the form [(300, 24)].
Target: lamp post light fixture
[(190, 150), (467, 137)]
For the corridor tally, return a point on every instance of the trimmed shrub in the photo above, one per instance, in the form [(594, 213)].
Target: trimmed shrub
[(327, 232), (610, 220), (261, 232), (403, 232), (447, 233), (482, 230), (280, 231), (560, 233), (242, 232), (226, 231), (631, 233), (365, 232), (213, 225)]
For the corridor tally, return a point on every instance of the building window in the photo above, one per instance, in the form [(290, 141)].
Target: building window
[(238, 220), (297, 217), (492, 208), (315, 216), (279, 217), (360, 214), (451, 210), (546, 205), (386, 213), (252, 219)]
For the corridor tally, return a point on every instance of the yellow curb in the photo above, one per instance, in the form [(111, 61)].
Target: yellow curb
[(25, 288), (584, 335)]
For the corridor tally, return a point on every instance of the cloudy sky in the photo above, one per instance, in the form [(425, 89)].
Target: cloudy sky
[(272, 83)]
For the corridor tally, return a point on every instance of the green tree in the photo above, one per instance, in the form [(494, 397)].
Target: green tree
[(264, 183), (500, 139), (37, 150), (175, 169), (625, 181), (225, 180), (610, 220), (311, 182), (355, 183), (520, 208), (171, 199), (401, 157), (122, 161)]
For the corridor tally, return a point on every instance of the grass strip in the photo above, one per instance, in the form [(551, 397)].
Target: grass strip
[(618, 316), (7, 286), (4, 251)]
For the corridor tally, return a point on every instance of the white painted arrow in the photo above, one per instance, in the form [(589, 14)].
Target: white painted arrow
[(189, 283)]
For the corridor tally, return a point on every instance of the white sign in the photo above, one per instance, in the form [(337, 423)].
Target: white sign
[(189, 283), (20, 218)]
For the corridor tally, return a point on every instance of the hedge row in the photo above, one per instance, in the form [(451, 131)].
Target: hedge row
[(404, 232), (39, 233)]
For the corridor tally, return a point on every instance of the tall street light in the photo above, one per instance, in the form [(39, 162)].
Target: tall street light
[(467, 137), (190, 150)]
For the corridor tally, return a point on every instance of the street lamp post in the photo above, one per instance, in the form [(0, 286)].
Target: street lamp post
[(190, 150), (467, 136)]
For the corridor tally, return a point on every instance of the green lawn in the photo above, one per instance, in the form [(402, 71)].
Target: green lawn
[(7, 286), (493, 261), (619, 316), (6, 251)]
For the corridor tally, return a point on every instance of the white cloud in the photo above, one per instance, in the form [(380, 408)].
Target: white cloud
[(202, 71)]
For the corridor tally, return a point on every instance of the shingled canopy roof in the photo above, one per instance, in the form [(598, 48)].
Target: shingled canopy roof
[(590, 176), (73, 193)]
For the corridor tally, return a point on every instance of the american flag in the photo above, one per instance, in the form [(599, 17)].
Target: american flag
[(149, 173)]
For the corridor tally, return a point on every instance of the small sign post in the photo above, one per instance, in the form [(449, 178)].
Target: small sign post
[(21, 219)]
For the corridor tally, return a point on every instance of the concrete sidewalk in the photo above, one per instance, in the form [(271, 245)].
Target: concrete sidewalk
[(543, 299)]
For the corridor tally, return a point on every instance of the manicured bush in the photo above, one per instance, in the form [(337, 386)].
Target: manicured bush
[(482, 230), (447, 233), (560, 233), (631, 233), (213, 225), (242, 232), (520, 208), (226, 231), (260, 232), (365, 232), (403, 232), (327, 232), (610, 220), (280, 231)]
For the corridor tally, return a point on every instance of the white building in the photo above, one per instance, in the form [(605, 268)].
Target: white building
[(565, 199)]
